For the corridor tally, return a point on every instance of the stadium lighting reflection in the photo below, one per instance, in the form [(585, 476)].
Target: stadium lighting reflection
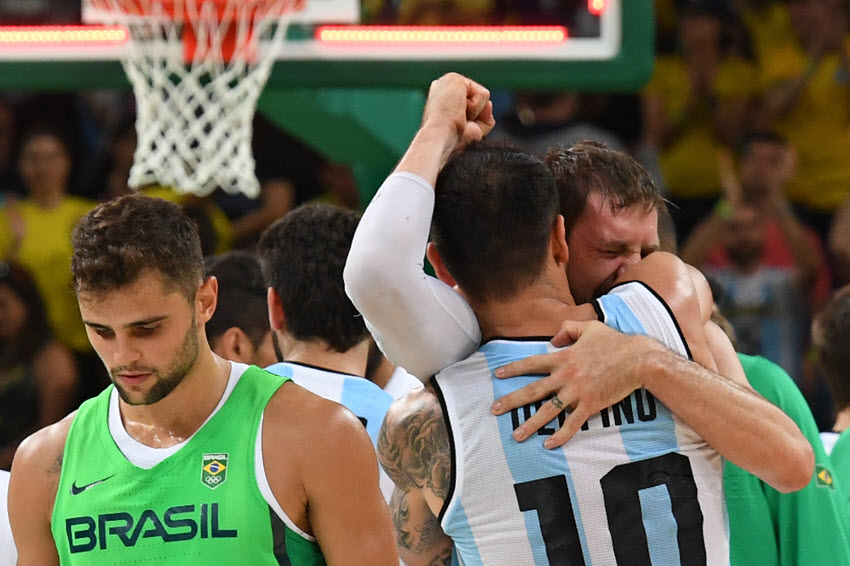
[(62, 35), (597, 7), (383, 35)]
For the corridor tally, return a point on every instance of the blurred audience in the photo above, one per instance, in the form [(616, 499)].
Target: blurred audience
[(36, 231), (763, 257), (766, 163), (698, 102), (540, 121), (38, 376), (724, 67), (807, 101), (839, 243)]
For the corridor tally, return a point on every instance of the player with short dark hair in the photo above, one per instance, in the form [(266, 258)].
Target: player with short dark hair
[(324, 344), (509, 236), (189, 456), (239, 329), (299, 255)]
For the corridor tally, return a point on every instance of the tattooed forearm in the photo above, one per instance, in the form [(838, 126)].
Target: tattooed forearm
[(414, 444)]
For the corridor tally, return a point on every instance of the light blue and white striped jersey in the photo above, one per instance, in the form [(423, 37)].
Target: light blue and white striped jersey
[(635, 486), (367, 401)]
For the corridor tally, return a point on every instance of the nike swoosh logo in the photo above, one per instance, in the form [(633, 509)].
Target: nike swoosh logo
[(78, 490)]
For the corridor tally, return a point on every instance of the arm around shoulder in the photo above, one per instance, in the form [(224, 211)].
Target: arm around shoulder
[(673, 281), (744, 427)]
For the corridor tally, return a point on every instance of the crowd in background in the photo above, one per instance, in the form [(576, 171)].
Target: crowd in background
[(745, 124)]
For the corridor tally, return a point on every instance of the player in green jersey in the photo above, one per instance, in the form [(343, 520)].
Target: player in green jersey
[(184, 459), (831, 336), (770, 528)]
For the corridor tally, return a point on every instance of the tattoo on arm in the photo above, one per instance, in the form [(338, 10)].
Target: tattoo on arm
[(414, 446), (418, 531), (401, 515), (414, 449)]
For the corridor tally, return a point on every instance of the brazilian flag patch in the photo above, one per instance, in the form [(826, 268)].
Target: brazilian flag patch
[(214, 470), (823, 477)]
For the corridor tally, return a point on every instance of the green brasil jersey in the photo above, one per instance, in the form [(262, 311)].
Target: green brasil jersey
[(201, 505), (769, 528), (840, 458)]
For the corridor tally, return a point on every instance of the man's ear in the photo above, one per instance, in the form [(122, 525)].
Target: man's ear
[(560, 249), (206, 299), (234, 345), (439, 268), (277, 318)]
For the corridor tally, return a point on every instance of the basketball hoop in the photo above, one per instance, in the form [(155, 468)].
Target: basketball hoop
[(197, 69)]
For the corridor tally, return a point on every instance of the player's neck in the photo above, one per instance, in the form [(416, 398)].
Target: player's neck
[(317, 353), (181, 413), (537, 310)]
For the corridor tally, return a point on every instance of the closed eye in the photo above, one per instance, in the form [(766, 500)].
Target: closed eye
[(104, 332), (145, 330)]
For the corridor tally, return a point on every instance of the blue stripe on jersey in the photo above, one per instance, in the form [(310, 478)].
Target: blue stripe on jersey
[(620, 316), (662, 531), (645, 442), (463, 539), (367, 401), (282, 369), (662, 436), (519, 453)]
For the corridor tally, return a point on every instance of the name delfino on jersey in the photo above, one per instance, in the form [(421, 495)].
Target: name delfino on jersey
[(640, 404)]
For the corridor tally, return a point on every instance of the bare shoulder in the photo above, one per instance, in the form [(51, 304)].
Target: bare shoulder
[(412, 409), (37, 467), (42, 452), (413, 444), (672, 280), (665, 273), (294, 413), (303, 431)]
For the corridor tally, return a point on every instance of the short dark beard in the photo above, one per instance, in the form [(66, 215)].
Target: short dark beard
[(174, 375)]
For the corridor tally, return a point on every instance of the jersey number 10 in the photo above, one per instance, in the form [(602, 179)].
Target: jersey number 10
[(550, 497)]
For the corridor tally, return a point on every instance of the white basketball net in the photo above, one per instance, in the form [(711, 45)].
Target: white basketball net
[(194, 121)]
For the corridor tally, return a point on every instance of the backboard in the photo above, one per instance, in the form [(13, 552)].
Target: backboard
[(530, 44)]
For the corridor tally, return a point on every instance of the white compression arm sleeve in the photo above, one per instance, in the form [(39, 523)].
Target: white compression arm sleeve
[(419, 322)]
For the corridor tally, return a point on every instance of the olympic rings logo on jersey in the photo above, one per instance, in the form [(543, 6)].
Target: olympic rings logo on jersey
[(214, 469)]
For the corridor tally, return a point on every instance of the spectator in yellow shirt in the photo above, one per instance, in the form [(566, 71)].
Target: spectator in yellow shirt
[(807, 101), (696, 104), (36, 231)]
